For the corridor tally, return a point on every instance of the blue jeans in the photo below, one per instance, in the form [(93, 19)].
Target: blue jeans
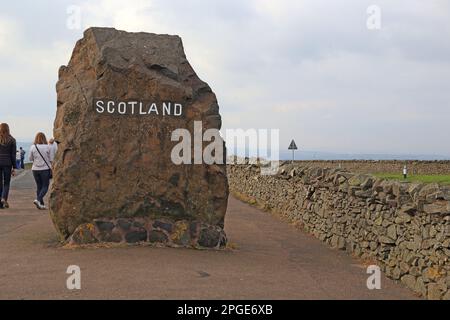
[(42, 178), (5, 181), (17, 164)]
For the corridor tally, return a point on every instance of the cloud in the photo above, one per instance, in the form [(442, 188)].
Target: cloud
[(128, 15), (7, 31), (299, 106), (24, 127), (308, 67)]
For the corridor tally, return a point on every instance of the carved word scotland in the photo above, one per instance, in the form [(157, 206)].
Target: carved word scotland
[(139, 108)]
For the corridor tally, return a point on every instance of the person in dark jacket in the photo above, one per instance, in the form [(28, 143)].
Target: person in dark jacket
[(22, 158), (8, 151)]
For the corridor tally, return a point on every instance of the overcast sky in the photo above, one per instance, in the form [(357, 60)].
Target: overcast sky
[(309, 68)]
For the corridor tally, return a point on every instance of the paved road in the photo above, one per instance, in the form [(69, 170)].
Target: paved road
[(273, 260)]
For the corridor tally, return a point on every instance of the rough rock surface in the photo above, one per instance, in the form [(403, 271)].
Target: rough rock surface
[(111, 166), (402, 227)]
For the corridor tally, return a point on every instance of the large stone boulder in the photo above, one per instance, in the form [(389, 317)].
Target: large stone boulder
[(118, 101)]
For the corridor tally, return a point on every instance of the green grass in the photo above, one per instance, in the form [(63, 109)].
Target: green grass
[(441, 179)]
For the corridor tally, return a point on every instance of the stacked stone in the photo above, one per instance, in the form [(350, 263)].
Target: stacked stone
[(144, 230), (402, 227)]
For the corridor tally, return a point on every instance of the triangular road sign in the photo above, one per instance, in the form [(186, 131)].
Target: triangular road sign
[(292, 146)]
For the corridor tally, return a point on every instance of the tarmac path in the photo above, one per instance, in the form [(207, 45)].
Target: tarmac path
[(271, 260)]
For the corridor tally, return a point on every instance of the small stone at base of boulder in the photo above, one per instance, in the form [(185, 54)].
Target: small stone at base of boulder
[(84, 234), (156, 236), (209, 237), (136, 236)]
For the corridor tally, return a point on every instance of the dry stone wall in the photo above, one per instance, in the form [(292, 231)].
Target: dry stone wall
[(402, 227), (383, 166)]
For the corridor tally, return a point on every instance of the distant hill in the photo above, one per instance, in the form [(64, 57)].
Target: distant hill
[(320, 155), (313, 155)]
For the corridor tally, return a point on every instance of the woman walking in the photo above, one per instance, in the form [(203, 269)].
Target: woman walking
[(42, 155), (8, 150)]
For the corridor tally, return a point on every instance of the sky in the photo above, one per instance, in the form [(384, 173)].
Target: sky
[(310, 68)]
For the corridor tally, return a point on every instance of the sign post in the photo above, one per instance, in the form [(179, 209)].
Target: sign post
[(293, 147)]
